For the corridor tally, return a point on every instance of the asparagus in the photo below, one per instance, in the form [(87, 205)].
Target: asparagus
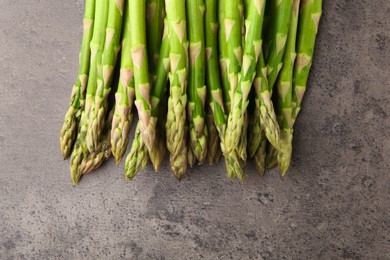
[(216, 118), (196, 84), (94, 160), (176, 117), (154, 31), (284, 93), (77, 99), (309, 19), (80, 150), (141, 76), (139, 152), (238, 116), (223, 59), (280, 24), (109, 57), (261, 153), (123, 117), (257, 126)]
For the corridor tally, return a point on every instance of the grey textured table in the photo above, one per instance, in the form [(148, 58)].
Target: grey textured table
[(333, 204)]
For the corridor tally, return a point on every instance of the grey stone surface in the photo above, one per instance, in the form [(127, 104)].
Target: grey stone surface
[(333, 204)]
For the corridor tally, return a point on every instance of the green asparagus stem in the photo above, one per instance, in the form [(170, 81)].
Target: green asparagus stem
[(223, 58), (268, 118), (77, 99), (256, 126), (155, 25), (139, 152), (215, 118), (309, 19), (196, 84), (109, 57), (176, 118), (80, 149), (280, 24), (123, 117), (237, 121), (284, 93), (141, 72)]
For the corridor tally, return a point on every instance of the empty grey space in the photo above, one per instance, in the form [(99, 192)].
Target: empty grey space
[(334, 202)]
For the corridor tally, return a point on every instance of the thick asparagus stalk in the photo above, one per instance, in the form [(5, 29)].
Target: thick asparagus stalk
[(176, 118), (123, 117), (110, 53), (139, 152), (141, 72), (97, 43), (77, 99), (196, 84), (284, 93)]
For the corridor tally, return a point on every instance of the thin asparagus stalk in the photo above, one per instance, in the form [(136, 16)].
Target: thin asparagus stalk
[(154, 31), (256, 126), (284, 93), (176, 117), (268, 118), (139, 152), (223, 58), (280, 24), (216, 118), (141, 72), (77, 99), (309, 19), (123, 117), (109, 57), (196, 85), (233, 37), (80, 149)]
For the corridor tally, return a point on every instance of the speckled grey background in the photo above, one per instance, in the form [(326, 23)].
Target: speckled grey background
[(334, 203)]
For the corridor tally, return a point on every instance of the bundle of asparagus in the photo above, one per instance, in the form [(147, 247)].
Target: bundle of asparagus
[(201, 74)]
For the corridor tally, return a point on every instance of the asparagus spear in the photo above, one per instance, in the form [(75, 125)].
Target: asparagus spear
[(123, 117), (94, 160), (154, 31), (77, 99), (238, 116), (176, 117), (261, 153), (223, 59), (309, 19), (257, 125), (139, 152), (216, 118), (196, 84), (109, 57), (80, 150), (280, 25), (284, 93), (141, 76)]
